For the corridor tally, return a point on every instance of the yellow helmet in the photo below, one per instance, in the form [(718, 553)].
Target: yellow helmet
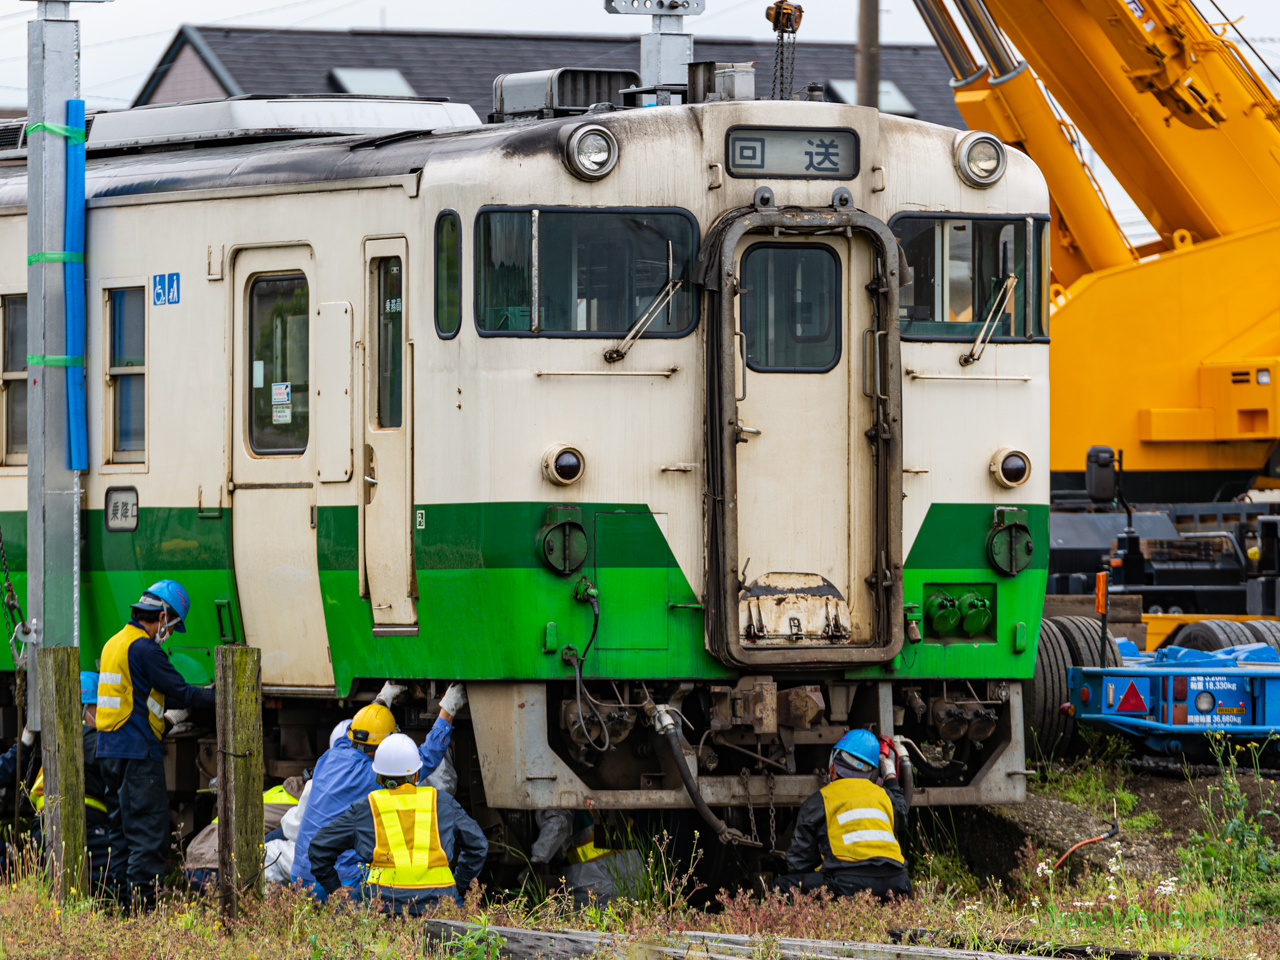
[(371, 725)]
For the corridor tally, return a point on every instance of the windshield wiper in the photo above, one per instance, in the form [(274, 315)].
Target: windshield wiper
[(614, 354), (1003, 298)]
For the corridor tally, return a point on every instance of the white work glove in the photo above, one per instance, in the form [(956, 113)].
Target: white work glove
[(28, 738), (454, 699), (178, 721), (888, 768), (390, 693)]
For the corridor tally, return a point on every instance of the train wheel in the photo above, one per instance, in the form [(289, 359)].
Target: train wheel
[(1083, 636), (1265, 631), (1050, 733), (1212, 635)]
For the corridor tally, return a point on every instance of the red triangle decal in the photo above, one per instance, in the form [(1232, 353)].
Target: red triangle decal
[(1132, 701)]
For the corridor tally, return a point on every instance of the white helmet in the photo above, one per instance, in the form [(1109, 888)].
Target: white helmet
[(397, 756), (339, 732)]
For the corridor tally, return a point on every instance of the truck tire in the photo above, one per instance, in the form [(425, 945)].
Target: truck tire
[(1083, 636), (1049, 732), (1265, 631), (1210, 635)]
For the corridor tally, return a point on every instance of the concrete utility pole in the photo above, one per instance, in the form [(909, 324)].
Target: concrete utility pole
[(868, 75), (53, 488)]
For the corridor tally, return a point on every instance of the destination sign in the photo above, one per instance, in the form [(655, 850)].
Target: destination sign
[(793, 154)]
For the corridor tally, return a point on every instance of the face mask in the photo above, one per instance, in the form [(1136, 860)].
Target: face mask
[(165, 630)]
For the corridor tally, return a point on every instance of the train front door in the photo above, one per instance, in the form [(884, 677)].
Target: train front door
[(804, 472), (273, 463), (386, 529)]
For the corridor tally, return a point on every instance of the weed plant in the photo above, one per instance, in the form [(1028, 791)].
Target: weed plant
[(1222, 904)]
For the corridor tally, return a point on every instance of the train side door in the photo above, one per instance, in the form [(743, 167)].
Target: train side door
[(804, 474), (273, 464), (386, 530)]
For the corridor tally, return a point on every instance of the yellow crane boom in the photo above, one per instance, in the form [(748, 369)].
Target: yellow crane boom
[(1170, 351)]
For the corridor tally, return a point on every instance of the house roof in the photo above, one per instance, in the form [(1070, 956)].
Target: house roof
[(202, 60)]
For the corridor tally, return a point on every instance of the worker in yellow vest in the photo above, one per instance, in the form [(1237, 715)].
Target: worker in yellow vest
[(419, 844), (106, 866), (136, 689), (846, 834)]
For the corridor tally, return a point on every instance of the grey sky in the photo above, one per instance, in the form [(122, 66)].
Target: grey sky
[(123, 39)]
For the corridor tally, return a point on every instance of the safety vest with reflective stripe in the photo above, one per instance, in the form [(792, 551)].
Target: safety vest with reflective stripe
[(37, 796), (407, 811), (586, 852), (115, 685), (278, 794), (860, 821)]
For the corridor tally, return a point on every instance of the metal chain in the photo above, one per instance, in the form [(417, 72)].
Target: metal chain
[(745, 775), (773, 815), (790, 71), (779, 55)]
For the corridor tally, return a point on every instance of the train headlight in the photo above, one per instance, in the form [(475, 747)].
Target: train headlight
[(980, 158), (592, 152), (1204, 701), (563, 465), (1010, 467)]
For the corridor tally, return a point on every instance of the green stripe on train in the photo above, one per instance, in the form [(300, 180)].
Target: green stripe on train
[(485, 599)]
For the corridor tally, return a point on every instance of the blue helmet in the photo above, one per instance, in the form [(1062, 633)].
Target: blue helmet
[(861, 745), (88, 687), (167, 595)]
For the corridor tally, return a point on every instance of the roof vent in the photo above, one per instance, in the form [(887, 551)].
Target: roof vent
[(565, 92), (255, 118), (372, 81)]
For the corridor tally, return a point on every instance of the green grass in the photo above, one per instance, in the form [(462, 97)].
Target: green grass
[(1148, 820), (1223, 903)]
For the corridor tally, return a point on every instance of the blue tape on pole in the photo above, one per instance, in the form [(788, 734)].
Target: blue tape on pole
[(73, 273)]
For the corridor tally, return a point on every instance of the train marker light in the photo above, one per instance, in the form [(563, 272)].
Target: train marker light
[(1010, 467), (1205, 702), (563, 465), (980, 158), (592, 152)]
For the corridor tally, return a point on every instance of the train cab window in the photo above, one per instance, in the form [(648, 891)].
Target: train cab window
[(279, 379), (13, 315), (963, 272), (390, 342), (595, 273), (504, 289), (790, 307), (128, 374), (448, 274)]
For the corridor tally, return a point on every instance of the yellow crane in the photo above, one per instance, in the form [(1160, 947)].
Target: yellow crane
[(1170, 351)]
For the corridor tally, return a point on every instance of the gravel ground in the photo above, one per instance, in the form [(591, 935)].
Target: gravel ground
[(989, 838)]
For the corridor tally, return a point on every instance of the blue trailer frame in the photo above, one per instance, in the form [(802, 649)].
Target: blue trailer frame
[(1168, 697)]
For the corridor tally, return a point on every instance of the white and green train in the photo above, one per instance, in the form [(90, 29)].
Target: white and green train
[(398, 395)]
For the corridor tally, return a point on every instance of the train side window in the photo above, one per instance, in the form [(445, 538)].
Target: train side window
[(592, 272), (279, 314), (127, 372), (790, 307), (504, 242), (448, 274), (14, 318), (960, 271), (390, 342)]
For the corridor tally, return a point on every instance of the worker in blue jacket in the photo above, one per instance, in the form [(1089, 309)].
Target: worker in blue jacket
[(137, 687), (419, 844), (345, 774)]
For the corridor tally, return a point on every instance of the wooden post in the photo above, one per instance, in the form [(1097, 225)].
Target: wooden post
[(63, 754), (238, 682)]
